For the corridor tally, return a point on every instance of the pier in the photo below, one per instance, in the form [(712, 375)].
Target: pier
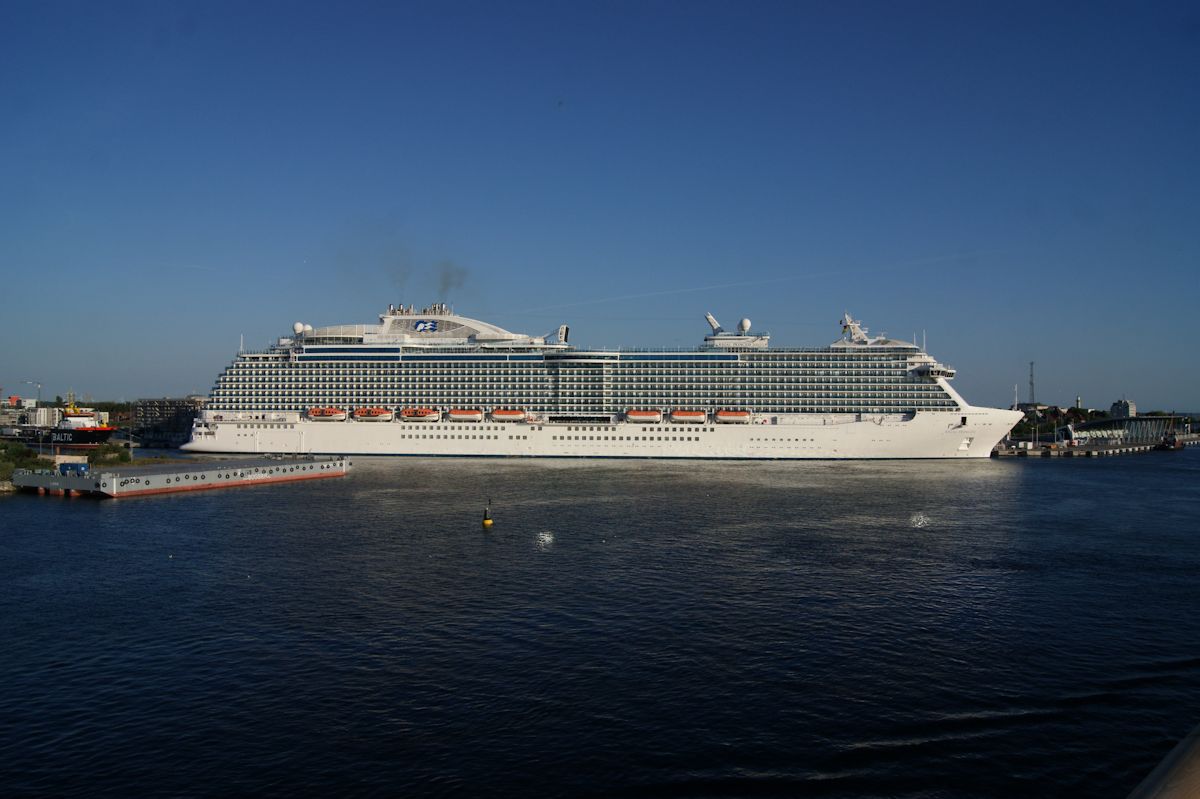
[(71, 479), (1093, 449)]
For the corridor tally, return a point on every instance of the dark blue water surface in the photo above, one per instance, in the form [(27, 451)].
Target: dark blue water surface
[(910, 629)]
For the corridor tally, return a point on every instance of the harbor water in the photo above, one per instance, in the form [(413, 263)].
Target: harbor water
[(626, 628)]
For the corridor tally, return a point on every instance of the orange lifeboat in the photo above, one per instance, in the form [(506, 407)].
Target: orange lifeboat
[(733, 417), (505, 415), (689, 417), (643, 417), (327, 414), (373, 415), (465, 415), (420, 415)]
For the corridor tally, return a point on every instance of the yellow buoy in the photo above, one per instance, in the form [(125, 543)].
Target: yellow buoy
[(487, 517)]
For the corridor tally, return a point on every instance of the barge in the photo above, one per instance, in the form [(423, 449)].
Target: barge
[(71, 479)]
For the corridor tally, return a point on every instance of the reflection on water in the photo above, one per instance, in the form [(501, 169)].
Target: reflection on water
[(627, 627)]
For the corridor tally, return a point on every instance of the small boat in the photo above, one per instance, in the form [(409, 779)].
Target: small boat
[(505, 415), (733, 417), (465, 415), (689, 417), (327, 414), (373, 415), (643, 417), (420, 415)]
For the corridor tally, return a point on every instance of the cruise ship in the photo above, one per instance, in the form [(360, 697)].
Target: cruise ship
[(431, 382)]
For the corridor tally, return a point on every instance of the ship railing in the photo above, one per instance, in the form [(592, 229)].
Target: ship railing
[(1177, 776), (528, 348)]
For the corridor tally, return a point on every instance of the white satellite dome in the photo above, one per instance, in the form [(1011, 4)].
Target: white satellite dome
[(298, 328), (744, 325), (307, 329)]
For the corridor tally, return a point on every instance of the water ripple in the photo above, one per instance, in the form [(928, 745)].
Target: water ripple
[(641, 629)]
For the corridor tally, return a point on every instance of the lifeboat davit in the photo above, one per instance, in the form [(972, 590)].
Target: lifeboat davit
[(733, 417), (466, 415), (689, 417), (643, 417), (373, 415), (327, 414), (420, 415), (505, 415)]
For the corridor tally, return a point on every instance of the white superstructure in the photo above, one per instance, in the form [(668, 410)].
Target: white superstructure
[(457, 386)]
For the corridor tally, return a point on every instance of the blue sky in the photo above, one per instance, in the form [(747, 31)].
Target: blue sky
[(1017, 181)]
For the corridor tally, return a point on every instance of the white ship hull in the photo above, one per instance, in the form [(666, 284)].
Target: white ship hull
[(968, 433)]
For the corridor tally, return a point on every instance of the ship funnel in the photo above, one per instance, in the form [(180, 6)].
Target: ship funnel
[(563, 332), (713, 323)]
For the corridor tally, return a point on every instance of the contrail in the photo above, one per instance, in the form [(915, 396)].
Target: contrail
[(893, 268)]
